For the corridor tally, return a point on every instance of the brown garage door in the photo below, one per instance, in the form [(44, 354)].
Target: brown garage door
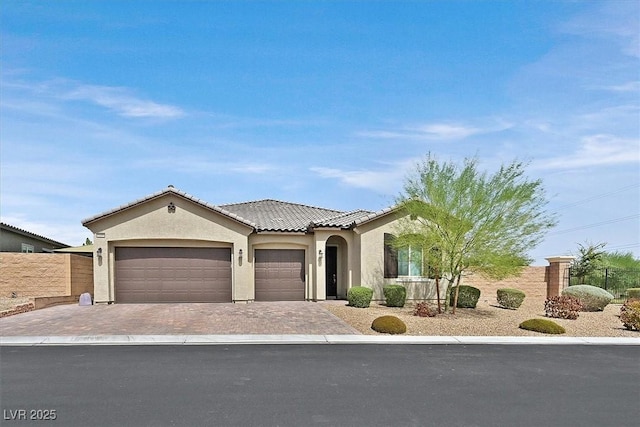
[(173, 275), (279, 275)]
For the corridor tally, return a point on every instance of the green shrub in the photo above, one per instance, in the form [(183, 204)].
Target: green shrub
[(360, 296), (562, 307), (633, 293), (423, 309), (592, 298), (544, 326), (395, 295), (468, 296), (389, 325), (510, 298), (630, 314)]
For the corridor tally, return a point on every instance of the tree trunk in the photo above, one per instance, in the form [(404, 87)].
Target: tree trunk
[(438, 291), (455, 298)]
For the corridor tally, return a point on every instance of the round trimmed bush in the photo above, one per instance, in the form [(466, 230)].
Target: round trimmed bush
[(395, 295), (510, 298), (630, 314), (544, 326), (633, 293), (389, 325), (468, 296), (359, 296), (592, 298)]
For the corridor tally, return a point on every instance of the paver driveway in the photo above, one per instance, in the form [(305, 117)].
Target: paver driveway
[(177, 319)]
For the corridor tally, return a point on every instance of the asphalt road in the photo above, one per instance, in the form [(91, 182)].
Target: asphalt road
[(325, 385)]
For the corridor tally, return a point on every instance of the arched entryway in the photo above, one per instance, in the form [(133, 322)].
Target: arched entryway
[(336, 263)]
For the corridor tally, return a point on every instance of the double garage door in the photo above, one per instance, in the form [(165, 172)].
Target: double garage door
[(154, 275)]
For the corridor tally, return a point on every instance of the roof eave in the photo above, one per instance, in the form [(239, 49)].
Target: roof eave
[(173, 191)]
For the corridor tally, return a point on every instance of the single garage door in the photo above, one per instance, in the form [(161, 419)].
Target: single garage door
[(279, 275), (148, 275)]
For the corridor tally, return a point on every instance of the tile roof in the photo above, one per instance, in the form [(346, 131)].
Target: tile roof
[(265, 215), (343, 220), (172, 190), (374, 215), (274, 215)]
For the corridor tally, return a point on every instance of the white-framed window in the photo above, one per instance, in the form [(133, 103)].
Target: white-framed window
[(27, 249), (410, 262)]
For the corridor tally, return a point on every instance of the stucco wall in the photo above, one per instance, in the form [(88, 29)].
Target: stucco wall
[(38, 275), (371, 272), (151, 224), (370, 243), (532, 282)]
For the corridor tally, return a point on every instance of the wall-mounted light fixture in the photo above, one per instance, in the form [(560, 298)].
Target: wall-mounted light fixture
[(319, 253), (240, 254), (171, 208), (99, 253)]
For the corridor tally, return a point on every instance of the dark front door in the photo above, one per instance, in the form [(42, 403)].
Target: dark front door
[(331, 269)]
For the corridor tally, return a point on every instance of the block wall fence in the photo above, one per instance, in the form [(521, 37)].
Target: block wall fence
[(536, 282), (62, 278), (45, 275)]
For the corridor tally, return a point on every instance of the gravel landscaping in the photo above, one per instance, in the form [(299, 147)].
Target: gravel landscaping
[(487, 319), (9, 303)]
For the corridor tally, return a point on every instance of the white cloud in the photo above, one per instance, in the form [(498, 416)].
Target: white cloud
[(253, 168), (616, 20), (445, 131), (383, 182), (633, 86), (596, 150), (122, 102), (192, 165)]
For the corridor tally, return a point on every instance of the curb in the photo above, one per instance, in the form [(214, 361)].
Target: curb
[(304, 339)]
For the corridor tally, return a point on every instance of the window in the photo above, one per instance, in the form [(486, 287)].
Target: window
[(27, 249), (410, 261), (407, 261)]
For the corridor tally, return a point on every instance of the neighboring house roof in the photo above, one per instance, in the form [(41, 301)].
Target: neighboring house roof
[(17, 230), (266, 215)]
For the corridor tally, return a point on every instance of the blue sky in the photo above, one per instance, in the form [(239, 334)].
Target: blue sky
[(323, 103)]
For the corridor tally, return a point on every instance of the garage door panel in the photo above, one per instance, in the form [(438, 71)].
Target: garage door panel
[(173, 275), (280, 274)]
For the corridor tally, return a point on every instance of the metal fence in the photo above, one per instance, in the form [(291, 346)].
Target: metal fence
[(614, 280)]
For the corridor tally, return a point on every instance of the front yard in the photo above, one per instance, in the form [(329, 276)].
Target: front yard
[(487, 319)]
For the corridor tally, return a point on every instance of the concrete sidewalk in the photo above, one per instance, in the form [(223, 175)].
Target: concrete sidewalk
[(302, 339)]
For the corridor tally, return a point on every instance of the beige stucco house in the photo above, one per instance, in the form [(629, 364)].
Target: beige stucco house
[(173, 247)]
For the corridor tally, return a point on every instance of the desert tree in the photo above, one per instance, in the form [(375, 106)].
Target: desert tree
[(473, 220), (589, 259)]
